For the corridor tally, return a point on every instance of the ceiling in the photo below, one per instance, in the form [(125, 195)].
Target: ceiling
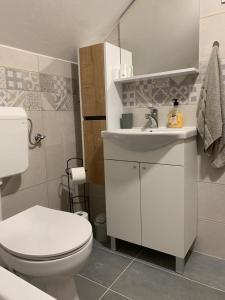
[(57, 27)]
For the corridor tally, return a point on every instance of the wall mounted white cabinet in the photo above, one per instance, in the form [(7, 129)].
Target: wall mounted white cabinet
[(151, 199)]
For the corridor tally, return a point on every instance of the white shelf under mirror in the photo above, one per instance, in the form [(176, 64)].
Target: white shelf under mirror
[(179, 72)]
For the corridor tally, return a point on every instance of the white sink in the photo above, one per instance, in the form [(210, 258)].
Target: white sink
[(145, 139)]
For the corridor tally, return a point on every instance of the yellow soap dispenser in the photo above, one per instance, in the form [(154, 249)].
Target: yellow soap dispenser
[(175, 117)]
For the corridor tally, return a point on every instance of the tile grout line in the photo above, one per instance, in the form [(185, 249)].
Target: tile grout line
[(179, 275), (95, 282), (120, 294), (121, 273), (211, 256)]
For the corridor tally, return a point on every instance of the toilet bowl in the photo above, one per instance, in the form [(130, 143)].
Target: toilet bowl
[(47, 248)]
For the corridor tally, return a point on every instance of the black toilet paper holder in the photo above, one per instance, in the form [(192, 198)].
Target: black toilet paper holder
[(76, 199)]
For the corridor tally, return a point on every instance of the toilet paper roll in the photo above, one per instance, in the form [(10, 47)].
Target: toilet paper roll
[(82, 214), (78, 175)]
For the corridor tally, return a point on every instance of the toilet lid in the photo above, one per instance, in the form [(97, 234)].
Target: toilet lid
[(40, 232)]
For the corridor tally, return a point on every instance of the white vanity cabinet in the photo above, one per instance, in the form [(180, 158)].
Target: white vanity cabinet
[(151, 197)]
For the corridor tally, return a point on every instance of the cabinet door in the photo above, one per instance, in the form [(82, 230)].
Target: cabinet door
[(93, 149), (162, 208), (92, 79), (123, 200)]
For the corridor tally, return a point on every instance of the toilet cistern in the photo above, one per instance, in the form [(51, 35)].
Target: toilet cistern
[(14, 149)]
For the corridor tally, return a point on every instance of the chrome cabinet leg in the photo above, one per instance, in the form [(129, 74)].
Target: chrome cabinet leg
[(113, 243), (180, 262)]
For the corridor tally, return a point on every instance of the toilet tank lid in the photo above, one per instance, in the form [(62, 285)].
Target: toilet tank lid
[(12, 113)]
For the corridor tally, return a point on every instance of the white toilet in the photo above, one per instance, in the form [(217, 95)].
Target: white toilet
[(47, 247), (44, 246)]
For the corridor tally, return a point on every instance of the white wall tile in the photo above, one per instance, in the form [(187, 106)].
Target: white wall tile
[(57, 196), (211, 29), (189, 113), (69, 151), (68, 127), (211, 201), (53, 66), (211, 238), (21, 200), (52, 124), (206, 172), (17, 59), (210, 7), (55, 161)]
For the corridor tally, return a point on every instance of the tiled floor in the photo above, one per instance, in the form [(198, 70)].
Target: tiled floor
[(138, 273)]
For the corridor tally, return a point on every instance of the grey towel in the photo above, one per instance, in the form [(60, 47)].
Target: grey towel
[(211, 112)]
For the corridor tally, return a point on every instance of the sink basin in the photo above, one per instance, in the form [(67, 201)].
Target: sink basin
[(145, 139)]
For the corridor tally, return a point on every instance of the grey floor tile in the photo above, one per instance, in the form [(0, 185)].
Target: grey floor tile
[(157, 258), (142, 282), (206, 269), (88, 290), (123, 247), (104, 266), (113, 296)]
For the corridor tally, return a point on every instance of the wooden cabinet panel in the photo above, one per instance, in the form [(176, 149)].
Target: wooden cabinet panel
[(93, 148), (92, 80), (123, 200)]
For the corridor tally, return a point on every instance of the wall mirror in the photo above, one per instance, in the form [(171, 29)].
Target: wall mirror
[(163, 35)]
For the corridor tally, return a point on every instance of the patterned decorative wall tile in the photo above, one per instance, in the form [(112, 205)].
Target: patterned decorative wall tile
[(31, 81), (50, 101), (46, 83), (69, 86), (37, 91), (30, 101), (3, 97), (14, 79), (160, 83), (144, 85), (160, 96), (129, 87), (161, 91), (129, 99), (143, 95), (2, 78), (180, 92), (66, 103), (194, 94), (59, 85)]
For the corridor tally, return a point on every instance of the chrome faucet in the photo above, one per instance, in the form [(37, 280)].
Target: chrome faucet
[(152, 117)]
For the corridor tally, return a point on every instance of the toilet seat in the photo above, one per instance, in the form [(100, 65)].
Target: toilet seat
[(40, 234)]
